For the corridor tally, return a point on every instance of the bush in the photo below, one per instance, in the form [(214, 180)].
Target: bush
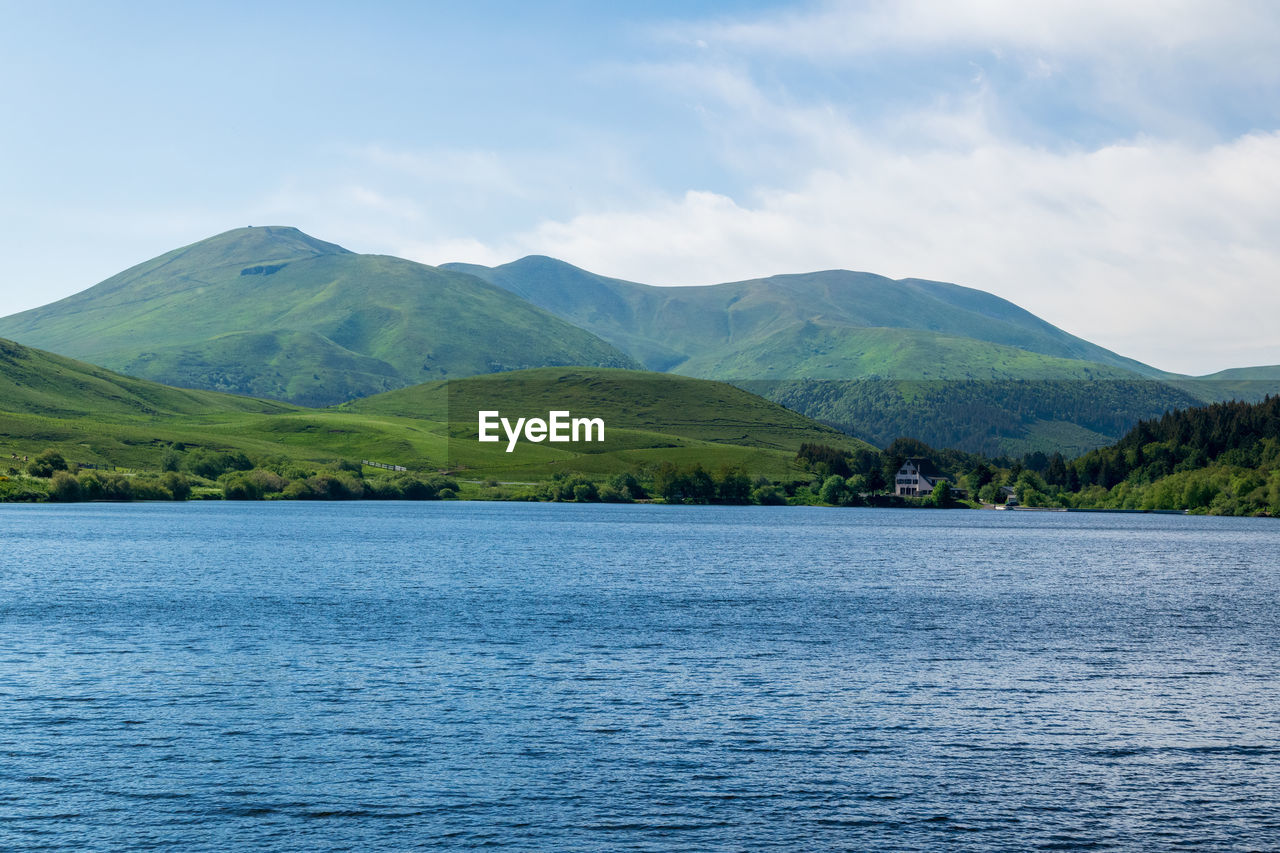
[(170, 461), (46, 463), (627, 487), (768, 495), (732, 486), (179, 487), (149, 489), (326, 487), (613, 495), (416, 489), (105, 486), (211, 465), (64, 487), (240, 487), (299, 490), (350, 467), (269, 481), (383, 489), (834, 491)]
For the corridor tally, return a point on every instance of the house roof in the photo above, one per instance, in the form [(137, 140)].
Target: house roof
[(925, 467)]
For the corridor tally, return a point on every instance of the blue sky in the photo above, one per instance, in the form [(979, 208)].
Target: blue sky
[(1112, 167)]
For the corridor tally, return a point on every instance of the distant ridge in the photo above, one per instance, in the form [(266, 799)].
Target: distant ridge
[(833, 324), (880, 358)]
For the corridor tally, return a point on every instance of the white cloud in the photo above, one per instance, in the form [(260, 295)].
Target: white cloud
[(1099, 27), (1158, 243)]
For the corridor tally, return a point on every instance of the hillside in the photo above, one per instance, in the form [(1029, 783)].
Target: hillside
[(828, 324), (1247, 384), (93, 416), (1222, 459), (272, 312), (875, 357), (992, 417), (34, 382), (649, 418)]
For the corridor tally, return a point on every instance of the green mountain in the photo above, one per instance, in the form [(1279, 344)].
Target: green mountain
[(877, 358), (272, 312), (1246, 384), (824, 325), (94, 416)]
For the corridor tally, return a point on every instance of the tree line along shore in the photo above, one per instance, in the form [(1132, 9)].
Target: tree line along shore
[(1222, 459)]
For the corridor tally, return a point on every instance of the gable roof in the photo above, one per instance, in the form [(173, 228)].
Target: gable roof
[(926, 468)]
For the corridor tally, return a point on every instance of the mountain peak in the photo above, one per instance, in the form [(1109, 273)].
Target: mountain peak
[(263, 243)]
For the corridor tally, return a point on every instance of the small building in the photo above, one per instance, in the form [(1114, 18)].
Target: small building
[(916, 477)]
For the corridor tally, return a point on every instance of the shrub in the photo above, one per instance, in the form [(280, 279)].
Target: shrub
[(768, 495), (300, 490), (170, 461), (46, 463), (612, 495), (350, 467), (211, 465), (240, 487), (179, 487), (105, 486), (732, 486), (382, 489), (64, 487), (415, 489), (149, 489), (628, 487), (833, 491), (269, 481)]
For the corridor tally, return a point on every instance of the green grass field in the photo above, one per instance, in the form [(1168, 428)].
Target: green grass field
[(93, 416)]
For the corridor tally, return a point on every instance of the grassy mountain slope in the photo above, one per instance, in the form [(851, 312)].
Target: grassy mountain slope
[(816, 351), (273, 311), (95, 416), (649, 417), (1266, 373), (1247, 384), (878, 358), (715, 331), (33, 382)]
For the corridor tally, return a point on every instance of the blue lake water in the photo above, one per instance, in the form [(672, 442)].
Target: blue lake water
[(291, 676)]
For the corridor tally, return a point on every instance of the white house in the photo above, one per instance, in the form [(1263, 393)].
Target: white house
[(916, 477)]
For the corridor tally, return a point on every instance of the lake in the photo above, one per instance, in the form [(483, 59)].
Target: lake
[(391, 676)]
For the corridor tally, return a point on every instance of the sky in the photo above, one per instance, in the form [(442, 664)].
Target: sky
[(1112, 167)]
